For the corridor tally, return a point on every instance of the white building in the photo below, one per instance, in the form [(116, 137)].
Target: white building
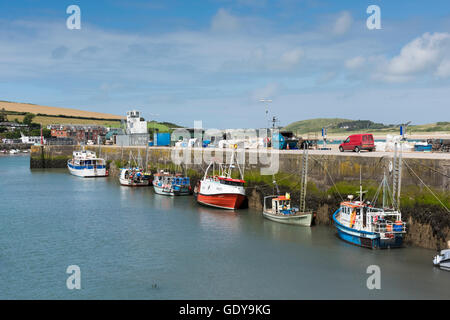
[(135, 124), (31, 140)]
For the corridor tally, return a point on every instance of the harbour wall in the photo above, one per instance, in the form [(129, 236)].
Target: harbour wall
[(330, 179), (20, 146)]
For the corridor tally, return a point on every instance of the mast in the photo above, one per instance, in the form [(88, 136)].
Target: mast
[(397, 177), (360, 185), (146, 158), (399, 186), (304, 181), (384, 190)]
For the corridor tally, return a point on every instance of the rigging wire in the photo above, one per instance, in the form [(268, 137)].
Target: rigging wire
[(426, 186), (331, 178), (431, 168)]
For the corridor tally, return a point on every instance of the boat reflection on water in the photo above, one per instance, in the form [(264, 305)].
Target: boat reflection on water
[(163, 202), (287, 233), (219, 219)]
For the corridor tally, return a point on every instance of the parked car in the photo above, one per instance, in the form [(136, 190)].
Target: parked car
[(358, 142)]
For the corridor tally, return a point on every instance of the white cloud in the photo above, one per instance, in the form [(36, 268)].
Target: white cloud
[(420, 55), (443, 70), (267, 92), (355, 63), (343, 23), (291, 58), (223, 21)]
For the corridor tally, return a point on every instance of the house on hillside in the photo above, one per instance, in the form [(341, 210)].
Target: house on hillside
[(78, 133), (12, 126)]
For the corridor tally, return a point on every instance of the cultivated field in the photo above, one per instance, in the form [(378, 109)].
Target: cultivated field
[(60, 120), (33, 108)]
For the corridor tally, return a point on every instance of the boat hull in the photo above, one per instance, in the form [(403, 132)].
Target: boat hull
[(230, 201), (366, 239), (131, 183), (87, 171), (304, 220), (171, 192)]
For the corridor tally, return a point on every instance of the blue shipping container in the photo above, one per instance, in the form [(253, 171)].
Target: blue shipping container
[(162, 139), (420, 147)]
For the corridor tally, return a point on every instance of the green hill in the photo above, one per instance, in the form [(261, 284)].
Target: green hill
[(442, 126), (343, 126), (313, 125), (162, 126)]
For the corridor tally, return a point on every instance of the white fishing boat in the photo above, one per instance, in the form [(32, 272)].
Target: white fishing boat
[(133, 177), (442, 260), (279, 209), (86, 164), (221, 190), (14, 151)]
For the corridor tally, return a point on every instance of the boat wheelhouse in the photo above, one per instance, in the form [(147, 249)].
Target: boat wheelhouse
[(86, 164), (171, 184), (278, 208)]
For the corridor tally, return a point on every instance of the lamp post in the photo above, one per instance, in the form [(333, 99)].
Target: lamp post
[(266, 102)]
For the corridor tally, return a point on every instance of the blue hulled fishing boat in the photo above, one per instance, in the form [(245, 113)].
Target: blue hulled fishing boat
[(363, 224)]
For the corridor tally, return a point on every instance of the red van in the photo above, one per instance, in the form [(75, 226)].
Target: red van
[(357, 142)]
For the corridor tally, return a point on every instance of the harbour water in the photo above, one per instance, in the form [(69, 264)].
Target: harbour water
[(132, 244)]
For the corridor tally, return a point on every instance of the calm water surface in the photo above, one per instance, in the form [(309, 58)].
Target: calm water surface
[(133, 244)]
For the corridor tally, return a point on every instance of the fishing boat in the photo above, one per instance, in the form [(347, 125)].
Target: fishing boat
[(169, 184), (221, 190), (361, 223), (278, 208), (442, 260), (86, 164), (133, 177)]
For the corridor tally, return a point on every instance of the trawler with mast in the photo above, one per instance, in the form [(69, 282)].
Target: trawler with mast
[(361, 223), (221, 190)]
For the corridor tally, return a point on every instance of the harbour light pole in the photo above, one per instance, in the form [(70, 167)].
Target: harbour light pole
[(266, 102)]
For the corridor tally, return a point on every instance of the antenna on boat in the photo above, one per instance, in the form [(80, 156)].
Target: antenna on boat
[(361, 192)]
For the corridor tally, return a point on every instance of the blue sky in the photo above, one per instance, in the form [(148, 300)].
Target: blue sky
[(213, 60)]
